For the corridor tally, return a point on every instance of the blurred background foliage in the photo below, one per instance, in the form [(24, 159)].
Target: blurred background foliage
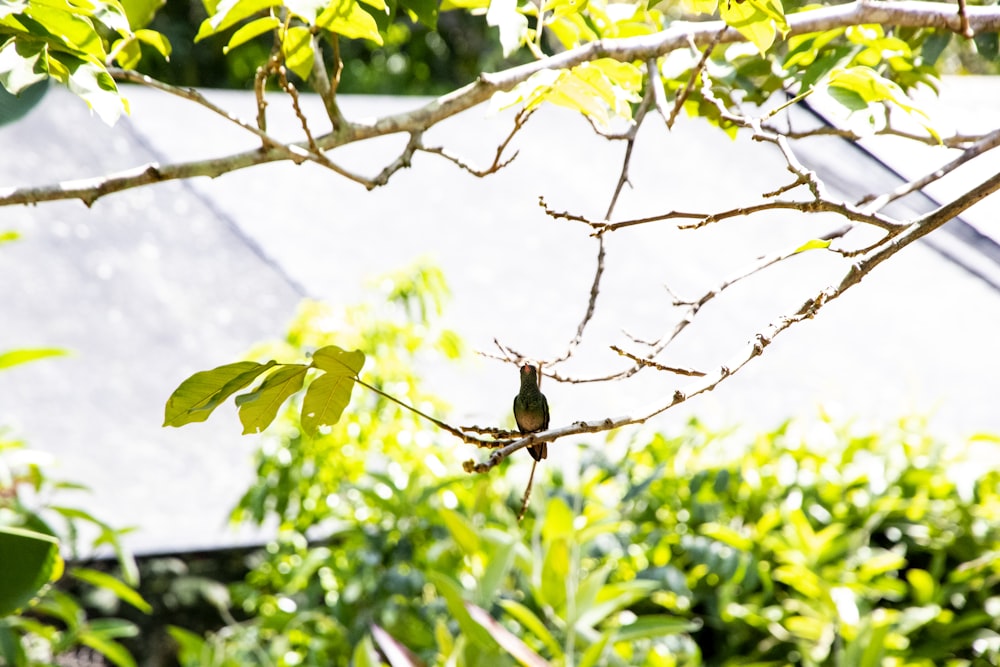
[(415, 59), (421, 59), (819, 543)]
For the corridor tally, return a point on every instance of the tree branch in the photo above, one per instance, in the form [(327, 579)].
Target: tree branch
[(915, 231), (904, 13)]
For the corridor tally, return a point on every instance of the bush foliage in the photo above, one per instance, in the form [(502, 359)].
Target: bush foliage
[(816, 544)]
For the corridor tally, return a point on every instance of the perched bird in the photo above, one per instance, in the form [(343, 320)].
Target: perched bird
[(531, 410)]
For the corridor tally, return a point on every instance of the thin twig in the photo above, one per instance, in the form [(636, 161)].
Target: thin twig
[(857, 271), (989, 142), (689, 86)]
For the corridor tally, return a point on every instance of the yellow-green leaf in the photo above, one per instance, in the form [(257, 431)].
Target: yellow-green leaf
[(229, 13), (347, 18), (814, 244), (757, 20), (196, 397), (338, 361), (155, 39), (259, 407), (297, 48), (325, 401), (700, 6), (119, 588), (250, 30)]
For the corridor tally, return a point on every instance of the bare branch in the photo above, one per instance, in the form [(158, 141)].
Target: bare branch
[(695, 73), (892, 245), (985, 144), (902, 13)]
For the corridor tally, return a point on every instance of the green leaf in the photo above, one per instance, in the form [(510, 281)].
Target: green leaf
[(425, 11), (259, 407), (507, 640), (461, 530), (156, 40), (700, 6), (337, 361), (452, 593), (230, 12), (655, 626), (757, 20), (499, 561), (612, 598), (30, 560), (814, 244), (347, 18), (90, 82), (594, 655), (141, 12), (127, 52), (364, 654), (23, 356), (252, 29), (196, 398), (110, 649), (297, 48), (23, 62), (119, 588), (71, 30), (530, 622), (325, 401)]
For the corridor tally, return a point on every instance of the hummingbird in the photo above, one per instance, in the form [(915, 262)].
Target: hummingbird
[(531, 410)]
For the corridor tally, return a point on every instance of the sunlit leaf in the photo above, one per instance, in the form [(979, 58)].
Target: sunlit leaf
[(347, 18), (119, 588), (532, 624), (325, 401), (259, 407), (230, 12), (757, 20), (250, 30), (507, 640), (156, 40), (23, 356), (814, 244), (196, 397), (337, 361), (297, 48)]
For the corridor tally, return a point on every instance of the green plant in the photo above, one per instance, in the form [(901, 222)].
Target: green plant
[(815, 544), (38, 621)]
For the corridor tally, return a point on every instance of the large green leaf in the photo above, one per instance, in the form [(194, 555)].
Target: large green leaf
[(347, 18), (757, 20), (30, 560), (297, 47), (141, 12), (196, 398), (230, 12), (325, 401), (337, 361), (116, 586), (259, 407)]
